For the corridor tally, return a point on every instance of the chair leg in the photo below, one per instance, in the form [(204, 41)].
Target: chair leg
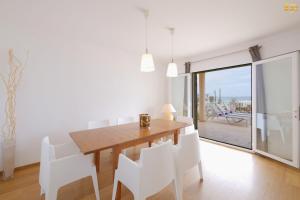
[(115, 187), (138, 197), (51, 194), (42, 191), (200, 170), (95, 183), (282, 134), (178, 187)]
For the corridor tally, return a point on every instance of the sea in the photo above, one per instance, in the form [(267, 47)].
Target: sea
[(241, 98)]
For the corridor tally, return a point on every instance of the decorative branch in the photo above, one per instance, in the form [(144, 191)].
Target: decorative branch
[(16, 68)]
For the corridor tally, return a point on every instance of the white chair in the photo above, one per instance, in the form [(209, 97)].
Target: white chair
[(268, 122), (100, 124), (187, 156), (154, 171), (188, 120), (56, 171), (273, 123), (125, 120)]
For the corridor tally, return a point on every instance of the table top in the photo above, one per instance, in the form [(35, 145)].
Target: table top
[(92, 140)]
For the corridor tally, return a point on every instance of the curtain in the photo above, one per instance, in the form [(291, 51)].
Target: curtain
[(254, 52), (260, 89), (185, 96)]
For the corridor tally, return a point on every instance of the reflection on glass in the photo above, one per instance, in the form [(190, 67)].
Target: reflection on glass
[(179, 94), (274, 108)]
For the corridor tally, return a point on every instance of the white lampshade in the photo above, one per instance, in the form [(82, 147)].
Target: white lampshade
[(172, 70), (168, 108), (147, 64)]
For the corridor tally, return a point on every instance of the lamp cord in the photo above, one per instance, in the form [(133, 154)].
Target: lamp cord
[(146, 29), (172, 43)]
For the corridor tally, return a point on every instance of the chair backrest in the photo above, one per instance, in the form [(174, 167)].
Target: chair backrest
[(188, 154), (125, 120), (99, 124), (47, 154), (157, 168), (188, 120)]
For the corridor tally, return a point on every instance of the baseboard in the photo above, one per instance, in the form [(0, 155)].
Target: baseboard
[(23, 167)]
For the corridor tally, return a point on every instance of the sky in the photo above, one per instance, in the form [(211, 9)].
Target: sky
[(234, 82)]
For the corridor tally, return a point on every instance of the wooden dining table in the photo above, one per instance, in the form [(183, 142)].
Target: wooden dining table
[(122, 137)]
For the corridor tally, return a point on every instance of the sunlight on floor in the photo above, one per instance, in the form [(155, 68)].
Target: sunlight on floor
[(220, 162)]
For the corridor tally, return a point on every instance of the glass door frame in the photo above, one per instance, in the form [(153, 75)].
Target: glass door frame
[(295, 96), (195, 103)]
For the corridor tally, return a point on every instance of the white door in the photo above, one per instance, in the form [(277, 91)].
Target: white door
[(275, 93), (180, 94)]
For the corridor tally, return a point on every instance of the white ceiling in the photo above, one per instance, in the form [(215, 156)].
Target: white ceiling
[(201, 25), (206, 25)]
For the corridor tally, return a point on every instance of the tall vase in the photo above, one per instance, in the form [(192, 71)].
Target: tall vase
[(8, 131), (8, 148)]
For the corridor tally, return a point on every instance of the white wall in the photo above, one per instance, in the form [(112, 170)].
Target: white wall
[(273, 45), (75, 74), (70, 80)]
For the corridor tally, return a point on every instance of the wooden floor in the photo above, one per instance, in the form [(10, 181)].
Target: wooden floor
[(228, 174)]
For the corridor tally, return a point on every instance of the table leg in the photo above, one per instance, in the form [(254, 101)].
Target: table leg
[(97, 160), (116, 152), (176, 133)]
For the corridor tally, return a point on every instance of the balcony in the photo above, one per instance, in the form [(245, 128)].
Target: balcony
[(228, 122)]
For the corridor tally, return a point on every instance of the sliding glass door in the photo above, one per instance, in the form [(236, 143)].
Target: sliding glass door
[(223, 99), (276, 95)]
